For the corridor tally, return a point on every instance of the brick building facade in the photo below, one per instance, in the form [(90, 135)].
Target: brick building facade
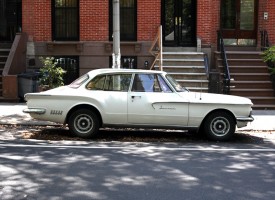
[(93, 45), (81, 30), (94, 48)]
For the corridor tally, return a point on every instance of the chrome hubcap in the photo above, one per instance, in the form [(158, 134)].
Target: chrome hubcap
[(220, 126), (83, 123)]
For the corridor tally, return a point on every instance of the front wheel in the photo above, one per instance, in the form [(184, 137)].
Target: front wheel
[(219, 126), (84, 123)]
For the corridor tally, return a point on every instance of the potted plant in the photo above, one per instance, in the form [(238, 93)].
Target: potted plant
[(269, 58), (51, 74)]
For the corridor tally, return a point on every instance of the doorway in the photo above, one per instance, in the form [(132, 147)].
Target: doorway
[(10, 19), (179, 22), (239, 21)]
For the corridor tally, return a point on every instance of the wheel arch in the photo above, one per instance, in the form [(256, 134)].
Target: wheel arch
[(84, 106), (214, 111)]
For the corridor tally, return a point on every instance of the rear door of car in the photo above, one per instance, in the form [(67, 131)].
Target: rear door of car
[(109, 92), (151, 101)]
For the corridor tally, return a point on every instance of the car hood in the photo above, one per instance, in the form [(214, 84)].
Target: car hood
[(215, 98)]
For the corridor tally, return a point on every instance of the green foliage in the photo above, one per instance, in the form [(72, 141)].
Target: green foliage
[(269, 58), (269, 54), (52, 75), (272, 70)]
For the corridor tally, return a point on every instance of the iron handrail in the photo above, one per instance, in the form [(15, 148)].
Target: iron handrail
[(265, 45), (226, 74), (156, 49), (264, 40), (206, 61)]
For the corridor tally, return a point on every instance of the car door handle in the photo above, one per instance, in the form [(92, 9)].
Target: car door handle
[(135, 97)]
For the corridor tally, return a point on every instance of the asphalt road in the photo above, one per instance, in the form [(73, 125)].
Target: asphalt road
[(190, 168)]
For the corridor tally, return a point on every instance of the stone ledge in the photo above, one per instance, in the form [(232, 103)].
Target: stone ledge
[(135, 45), (52, 45)]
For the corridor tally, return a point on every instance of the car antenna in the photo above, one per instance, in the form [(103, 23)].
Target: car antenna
[(201, 90)]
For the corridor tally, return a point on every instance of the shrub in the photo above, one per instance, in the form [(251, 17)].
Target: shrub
[(269, 58), (51, 74)]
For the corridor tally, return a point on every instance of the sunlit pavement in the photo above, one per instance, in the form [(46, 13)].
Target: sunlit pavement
[(188, 169), (138, 171), (12, 114)]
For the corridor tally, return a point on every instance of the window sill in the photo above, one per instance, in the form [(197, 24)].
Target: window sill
[(135, 45), (78, 45)]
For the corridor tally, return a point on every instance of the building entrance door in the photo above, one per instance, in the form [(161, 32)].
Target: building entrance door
[(179, 22), (10, 19), (239, 21)]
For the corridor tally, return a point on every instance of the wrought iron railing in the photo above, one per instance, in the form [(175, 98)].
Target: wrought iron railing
[(264, 40), (226, 73), (206, 64), (265, 45), (156, 49)]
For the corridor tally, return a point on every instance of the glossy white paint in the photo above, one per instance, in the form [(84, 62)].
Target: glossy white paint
[(156, 109)]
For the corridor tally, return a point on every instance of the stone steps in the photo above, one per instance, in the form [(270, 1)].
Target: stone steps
[(188, 68), (251, 78)]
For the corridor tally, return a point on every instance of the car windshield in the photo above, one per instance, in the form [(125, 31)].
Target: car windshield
[(175, 84), (78, 82)]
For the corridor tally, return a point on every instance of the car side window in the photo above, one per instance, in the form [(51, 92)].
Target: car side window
[(110, 82), (149, 83), (163, 85), (118, 82), (97, 83)]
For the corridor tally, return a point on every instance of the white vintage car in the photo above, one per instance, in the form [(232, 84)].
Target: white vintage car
[(138, 99)]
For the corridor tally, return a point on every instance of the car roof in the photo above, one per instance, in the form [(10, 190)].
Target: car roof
[(111, 70)]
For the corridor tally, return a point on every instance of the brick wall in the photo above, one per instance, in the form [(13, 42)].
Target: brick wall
[(36, 19), (208, 20), (94, 20), (267, 6), (148, 19)]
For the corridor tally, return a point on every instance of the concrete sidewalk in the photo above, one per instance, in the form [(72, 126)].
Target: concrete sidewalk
[(12, 114)]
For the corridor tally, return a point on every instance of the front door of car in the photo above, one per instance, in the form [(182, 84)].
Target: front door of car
[(152, 102)]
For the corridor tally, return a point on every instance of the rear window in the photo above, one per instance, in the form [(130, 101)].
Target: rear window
[(78, 82)]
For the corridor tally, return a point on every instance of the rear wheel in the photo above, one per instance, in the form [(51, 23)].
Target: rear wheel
[(84, 123), (219, 126)]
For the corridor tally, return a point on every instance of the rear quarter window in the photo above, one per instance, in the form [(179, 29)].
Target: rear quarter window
[(78, 82)]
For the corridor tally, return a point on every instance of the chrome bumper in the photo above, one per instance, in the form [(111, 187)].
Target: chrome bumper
[(38, 111), (245, 119)]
